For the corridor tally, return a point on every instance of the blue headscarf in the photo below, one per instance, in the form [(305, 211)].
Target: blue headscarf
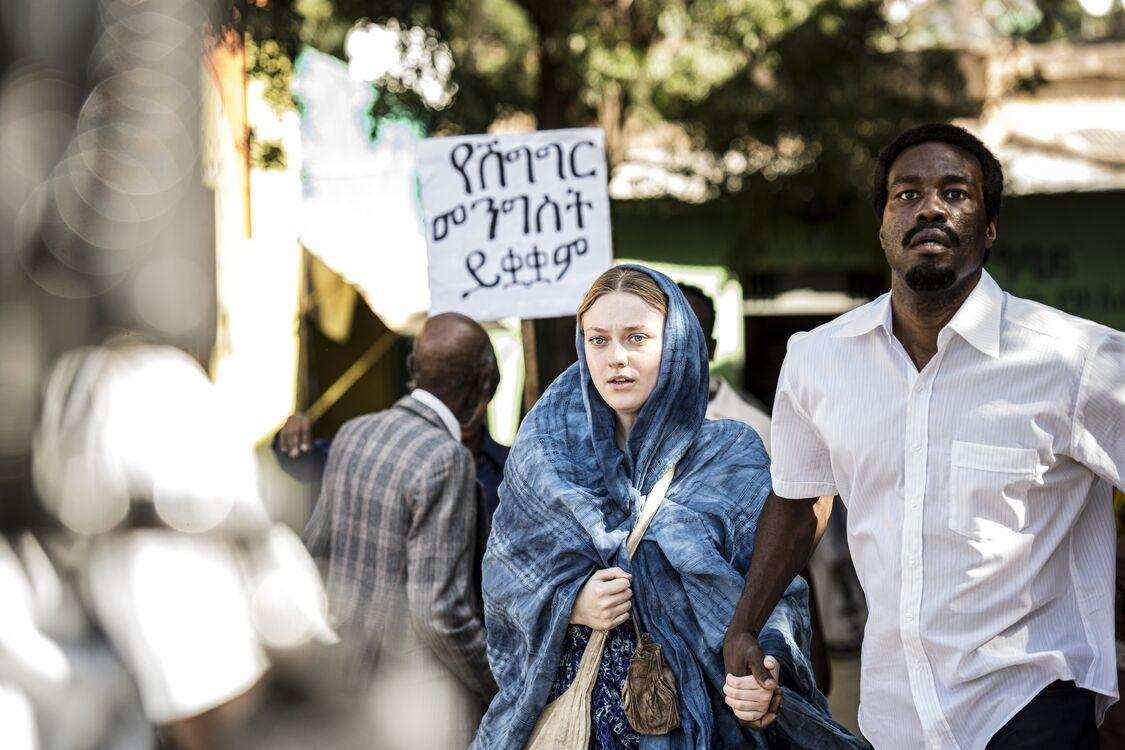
[(569, 499)]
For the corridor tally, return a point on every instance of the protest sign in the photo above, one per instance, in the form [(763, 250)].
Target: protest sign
[(516, 225)]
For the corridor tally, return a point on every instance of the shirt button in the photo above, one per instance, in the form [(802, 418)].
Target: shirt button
[(910, 561), (910, 618), (916, 447)]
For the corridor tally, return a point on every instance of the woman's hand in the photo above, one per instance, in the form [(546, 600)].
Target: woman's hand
[(754, 705), (604, 600)]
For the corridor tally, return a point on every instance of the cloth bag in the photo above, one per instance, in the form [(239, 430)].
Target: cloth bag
[(651, 703)]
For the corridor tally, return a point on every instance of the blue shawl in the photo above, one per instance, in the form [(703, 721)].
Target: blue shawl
[(567, 502)]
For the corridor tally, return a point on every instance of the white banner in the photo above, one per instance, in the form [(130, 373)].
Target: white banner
[(516, 225), (359, 202)]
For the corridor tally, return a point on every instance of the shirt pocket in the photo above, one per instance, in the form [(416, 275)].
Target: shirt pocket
[(988, 489)]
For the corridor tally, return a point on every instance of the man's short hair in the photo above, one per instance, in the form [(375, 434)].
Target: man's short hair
[(699, 300), (991, 172)]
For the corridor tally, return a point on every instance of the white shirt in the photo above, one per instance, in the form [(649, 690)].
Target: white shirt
[(727, 404), (443, 411), (175, 606), (979, 513)]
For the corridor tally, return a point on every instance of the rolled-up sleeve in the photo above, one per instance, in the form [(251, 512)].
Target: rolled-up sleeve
[(1099, 415), (801, 466)]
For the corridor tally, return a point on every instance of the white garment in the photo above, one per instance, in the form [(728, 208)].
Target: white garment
[(727, 404), (435, 403), (61, 686), (17, 719), (979, 514), (175, 607)]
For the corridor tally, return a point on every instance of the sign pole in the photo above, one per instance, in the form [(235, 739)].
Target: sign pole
[(530, 365)]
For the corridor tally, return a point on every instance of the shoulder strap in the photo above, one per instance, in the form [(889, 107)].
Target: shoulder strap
[(648, 510)]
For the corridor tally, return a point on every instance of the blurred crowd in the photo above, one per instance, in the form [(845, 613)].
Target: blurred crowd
[(159, 602)]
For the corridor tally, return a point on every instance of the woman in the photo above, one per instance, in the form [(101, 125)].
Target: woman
[(597, 441)]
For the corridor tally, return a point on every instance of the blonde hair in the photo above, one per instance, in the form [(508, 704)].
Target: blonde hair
[(624, 279)]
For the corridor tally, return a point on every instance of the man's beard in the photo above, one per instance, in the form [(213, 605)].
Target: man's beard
[(929, 277)]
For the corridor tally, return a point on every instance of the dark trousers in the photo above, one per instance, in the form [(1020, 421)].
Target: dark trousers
[(1060, 717)]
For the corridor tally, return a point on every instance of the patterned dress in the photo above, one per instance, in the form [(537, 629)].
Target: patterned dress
[(609, 729)]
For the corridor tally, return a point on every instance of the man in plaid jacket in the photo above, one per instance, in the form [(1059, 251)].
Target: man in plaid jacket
[(400, 522)]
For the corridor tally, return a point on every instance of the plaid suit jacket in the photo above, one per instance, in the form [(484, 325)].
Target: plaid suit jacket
[(397, 520)]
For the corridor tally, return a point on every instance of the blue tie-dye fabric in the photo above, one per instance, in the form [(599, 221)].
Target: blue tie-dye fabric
[(568, 501)]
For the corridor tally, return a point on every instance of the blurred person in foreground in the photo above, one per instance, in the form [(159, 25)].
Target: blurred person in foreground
[(557, 575), (400, 522), (974, 437), (174, 557)]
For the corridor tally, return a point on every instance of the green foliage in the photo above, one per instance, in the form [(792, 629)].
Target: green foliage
[(266, 154), (494, 64), (792, 98), (269, 62), (800, 125)]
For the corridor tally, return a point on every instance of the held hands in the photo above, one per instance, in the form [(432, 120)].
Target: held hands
[(603, 602), (754, 705), (295, 436), (755, 696)]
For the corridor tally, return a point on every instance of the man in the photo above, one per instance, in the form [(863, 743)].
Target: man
[(724, 402), (400, 522), (973, 437)]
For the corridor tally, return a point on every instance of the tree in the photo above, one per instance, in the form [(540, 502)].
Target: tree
[(784, 102)]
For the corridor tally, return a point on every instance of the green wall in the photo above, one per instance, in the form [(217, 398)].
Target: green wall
[(1066, 250)]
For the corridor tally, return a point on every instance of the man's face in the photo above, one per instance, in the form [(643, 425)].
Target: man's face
[(934, 232)]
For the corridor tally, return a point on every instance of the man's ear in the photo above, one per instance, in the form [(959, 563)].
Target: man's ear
[(990, 232), (410, 365), (474, 404), (488, 385)]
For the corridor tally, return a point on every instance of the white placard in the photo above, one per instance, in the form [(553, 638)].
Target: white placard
[(516, 225)]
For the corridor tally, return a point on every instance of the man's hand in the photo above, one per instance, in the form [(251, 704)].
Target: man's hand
[(753, 704), (604, 600), (745, 662), (295, 436)]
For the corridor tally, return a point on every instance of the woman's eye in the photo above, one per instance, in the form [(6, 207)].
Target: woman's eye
[(597, 340), (638, 338)]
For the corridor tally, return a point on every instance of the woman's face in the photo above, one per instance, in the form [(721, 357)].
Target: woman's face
[(624, 337)]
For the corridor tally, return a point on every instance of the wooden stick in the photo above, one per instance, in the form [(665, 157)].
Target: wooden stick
[(530, 366), (350, 376)]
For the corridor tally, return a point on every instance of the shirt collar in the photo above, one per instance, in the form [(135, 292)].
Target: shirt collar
[(977, 321), (866, 318), (435, 403)]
